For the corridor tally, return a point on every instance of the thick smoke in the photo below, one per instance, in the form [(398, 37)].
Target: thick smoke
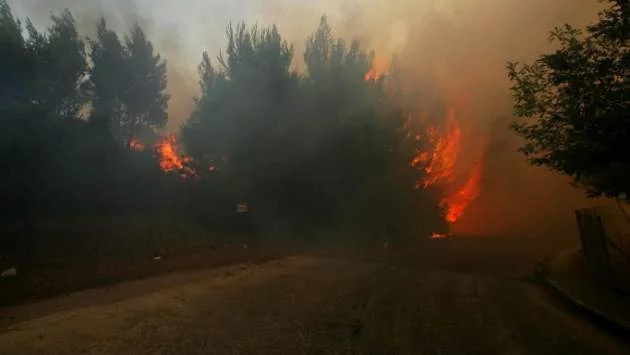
[(448, 47), (460, 48)]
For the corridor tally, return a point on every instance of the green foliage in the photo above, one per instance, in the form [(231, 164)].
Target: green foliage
[(308, 152), (108, 79), (128, 84), (573, 104), (56, 162), (14, 62), (61, 66), (311, 151), (41, 80), (145, 98)]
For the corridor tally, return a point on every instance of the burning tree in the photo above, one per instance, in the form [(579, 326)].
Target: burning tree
[(323, 150), (437, 138), (440, 160)]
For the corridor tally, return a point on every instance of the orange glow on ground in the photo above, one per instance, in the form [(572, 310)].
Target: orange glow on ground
[(443, 163)]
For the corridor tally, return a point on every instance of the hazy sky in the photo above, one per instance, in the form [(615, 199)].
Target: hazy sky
[(191, 25), (197, 25), (441, 31)]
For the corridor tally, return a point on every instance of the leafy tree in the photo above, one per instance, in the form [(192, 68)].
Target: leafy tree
[(61, 67), (349, 136), (206, 121), (15, 65), (319, 47), (241, 108), (108, 79), (41, 85), (573, 104), (145, 98), (323, 151)]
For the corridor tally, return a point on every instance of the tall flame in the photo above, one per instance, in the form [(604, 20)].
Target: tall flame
[(379, 66), (442, 161), (440, 165), (457, 203)]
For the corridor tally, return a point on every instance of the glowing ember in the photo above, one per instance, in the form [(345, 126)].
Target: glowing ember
[(171, 160), (136, 145), (379, 66), (438, 236)]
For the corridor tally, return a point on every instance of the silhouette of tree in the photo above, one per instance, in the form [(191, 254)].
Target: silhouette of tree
[(307, 151), (313, 151), (573, 104), (108, 80), (145, 98), (241, 106), (15, 64), (61, 67)]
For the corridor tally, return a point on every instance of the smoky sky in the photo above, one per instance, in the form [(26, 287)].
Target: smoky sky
[(449, 47)]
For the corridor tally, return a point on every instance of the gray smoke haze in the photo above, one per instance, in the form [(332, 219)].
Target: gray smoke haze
[(452, 47)]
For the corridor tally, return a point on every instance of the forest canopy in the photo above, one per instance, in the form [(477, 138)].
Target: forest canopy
[(83, 123)]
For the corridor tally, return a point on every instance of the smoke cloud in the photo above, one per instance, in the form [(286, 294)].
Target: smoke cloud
[(449, 47)]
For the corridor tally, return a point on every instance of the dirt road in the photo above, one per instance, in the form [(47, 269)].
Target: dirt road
[(308, 305)]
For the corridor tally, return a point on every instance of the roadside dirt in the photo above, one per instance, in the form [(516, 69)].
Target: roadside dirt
[(310, 305), (43, 281)]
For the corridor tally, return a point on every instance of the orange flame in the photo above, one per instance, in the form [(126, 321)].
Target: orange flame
[(439, 165), (438, 236), (171, 160), (136, 145), (459, 201), (379, 66), (441, 161)]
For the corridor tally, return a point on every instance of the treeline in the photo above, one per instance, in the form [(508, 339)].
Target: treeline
[(326, 148), (307, 151), (68, 108)]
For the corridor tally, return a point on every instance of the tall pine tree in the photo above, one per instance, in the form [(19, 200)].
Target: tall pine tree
[(145, 98), (108, 81)]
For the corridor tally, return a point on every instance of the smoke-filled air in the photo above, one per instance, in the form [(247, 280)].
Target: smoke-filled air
[(449, 58), (314, 176)]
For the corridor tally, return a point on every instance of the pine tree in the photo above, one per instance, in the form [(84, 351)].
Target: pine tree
[(108, 81), (145, 98), (61, 67)]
